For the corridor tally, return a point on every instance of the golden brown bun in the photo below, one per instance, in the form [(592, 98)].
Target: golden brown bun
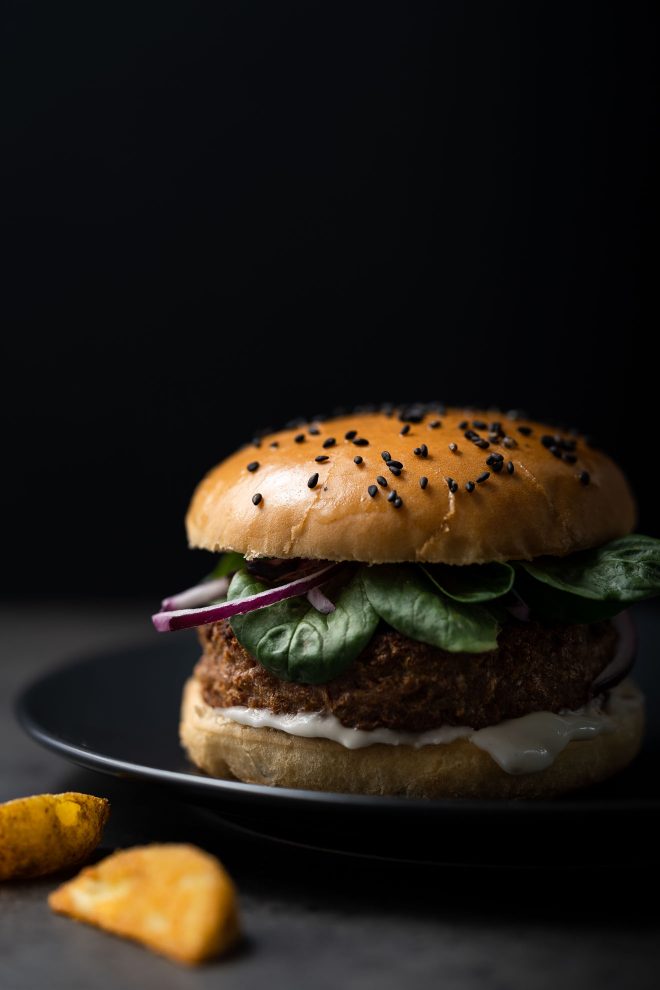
[(542, 508), (459, 769)]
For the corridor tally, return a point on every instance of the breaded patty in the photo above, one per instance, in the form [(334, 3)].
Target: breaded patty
[(399, 683)]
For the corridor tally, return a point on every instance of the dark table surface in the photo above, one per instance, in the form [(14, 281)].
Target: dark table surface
[(311, 919)]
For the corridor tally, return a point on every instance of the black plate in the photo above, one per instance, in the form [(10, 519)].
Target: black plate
[(118, 713)]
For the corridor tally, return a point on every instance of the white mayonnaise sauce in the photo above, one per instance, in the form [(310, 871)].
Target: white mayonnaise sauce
[(314, 725), (518, 745)]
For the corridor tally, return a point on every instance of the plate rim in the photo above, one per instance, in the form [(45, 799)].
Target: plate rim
[(196, 781)]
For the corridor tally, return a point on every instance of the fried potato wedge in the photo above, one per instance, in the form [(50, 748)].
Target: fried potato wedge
[(49, 832), (175, 899)]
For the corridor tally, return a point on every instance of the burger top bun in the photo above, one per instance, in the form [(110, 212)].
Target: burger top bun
[(497, 488)]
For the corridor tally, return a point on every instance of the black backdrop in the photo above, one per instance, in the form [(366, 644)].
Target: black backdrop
[(219, 216)]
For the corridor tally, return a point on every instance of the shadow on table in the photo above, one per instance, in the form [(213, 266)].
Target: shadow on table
[(591, 896)]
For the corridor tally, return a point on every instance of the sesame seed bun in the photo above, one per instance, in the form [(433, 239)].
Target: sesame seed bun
[(458, 769), (545, 491)]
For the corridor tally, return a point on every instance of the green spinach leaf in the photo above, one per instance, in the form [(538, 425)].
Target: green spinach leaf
[(624, 570), (472, 583), (406, 599), (228, 564), (549, 604), (296, 642)]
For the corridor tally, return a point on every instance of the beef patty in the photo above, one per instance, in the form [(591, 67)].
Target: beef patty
[(398, 683)]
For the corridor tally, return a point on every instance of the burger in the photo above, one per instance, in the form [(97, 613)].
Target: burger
[(419, 601)]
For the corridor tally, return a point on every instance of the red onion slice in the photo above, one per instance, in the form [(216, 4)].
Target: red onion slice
[(320, 602), (273, 569), (520, 610), (187, 618), (201, 594), (624, 657)]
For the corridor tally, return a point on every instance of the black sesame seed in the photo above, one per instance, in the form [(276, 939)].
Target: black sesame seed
[(555, 451), (423, 481), (509, 442), (373, 491), (495, 428), (253, 465), (471, 435), (497, 466), (479, 424), (321, 458), (463, 425), (412, 414), (385, 454), (525, 430), (313, 481), (450, 482), (257, 498), (453, 487), (351, 435), (483, 444), (417, 451), (469, 486), (313, 431), (494, 458), (570, 458), (361, 442), (394, 464), (509, 466), (381, 481), (391, 497), (435, 423), (330, 442), (483, 477), (256, 442), (425, 450), (397, 503), (405, 429), (395, 471), (453, 447), (299, 438), (356, 460), (274, 444), (547, 440), (585, 477)]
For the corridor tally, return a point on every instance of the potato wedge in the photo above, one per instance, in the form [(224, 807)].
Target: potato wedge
[(49, 832), (175, 899)]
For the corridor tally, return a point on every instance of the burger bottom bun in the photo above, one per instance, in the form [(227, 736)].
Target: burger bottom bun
[(458, 769)]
